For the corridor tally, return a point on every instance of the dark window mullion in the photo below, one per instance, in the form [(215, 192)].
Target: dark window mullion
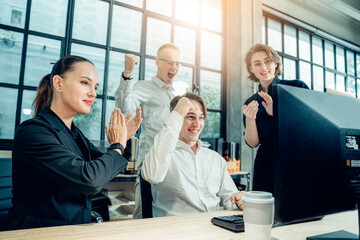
[(122, 50), (106, 72), (312, 63), (210, 70), (356, 75), (12, 28), (335, 64), (158, 16), (282, 36), (223, 104), (129, 6), (150, 57), (45, 35), (90, 44), (188, 65), (355, 64), (22, 66), (346, 70), (9, 85), (297, 68), (214, 110), (69, 26), (143, 44), (324, 63)]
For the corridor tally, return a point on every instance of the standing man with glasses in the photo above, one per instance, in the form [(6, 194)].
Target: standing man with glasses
[(153, 96)]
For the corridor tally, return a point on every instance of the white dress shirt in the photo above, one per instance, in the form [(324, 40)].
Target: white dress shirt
[(184, 182), (154, 97)]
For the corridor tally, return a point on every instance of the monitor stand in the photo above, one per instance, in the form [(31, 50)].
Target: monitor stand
[(339, 235)]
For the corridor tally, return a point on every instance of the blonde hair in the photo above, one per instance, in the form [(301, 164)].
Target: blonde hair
[(167, 45), (274, 56)]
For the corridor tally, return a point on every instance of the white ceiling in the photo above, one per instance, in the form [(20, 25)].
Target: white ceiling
[(336, 17), (350, 8)]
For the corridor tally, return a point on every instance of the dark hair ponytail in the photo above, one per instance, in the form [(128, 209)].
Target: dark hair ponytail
[(45, 90), (44, 95)]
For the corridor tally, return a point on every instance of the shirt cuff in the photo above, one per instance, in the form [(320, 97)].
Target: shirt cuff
[(126, 83), (175, 121)]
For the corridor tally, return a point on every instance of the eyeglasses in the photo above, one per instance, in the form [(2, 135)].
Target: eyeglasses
[(170, 63), (259, 64)]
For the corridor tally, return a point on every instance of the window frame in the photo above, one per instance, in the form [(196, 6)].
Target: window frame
[(67, 41), (297, 59)]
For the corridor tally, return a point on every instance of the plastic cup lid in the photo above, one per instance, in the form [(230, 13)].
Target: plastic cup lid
[(258, 197)]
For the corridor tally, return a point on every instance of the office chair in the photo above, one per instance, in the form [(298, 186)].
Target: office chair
[(5, 187), (100, 207), (146, 198)]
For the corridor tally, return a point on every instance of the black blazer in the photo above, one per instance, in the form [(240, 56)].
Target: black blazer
[(52, 179)]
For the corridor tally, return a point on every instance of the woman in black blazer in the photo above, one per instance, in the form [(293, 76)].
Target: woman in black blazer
[(264, 66), (55, 167)]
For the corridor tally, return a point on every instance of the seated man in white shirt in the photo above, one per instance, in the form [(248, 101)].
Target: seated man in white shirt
[(187, 177)]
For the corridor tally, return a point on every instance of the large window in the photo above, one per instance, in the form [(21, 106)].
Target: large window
[(318, 61), (35, 33)]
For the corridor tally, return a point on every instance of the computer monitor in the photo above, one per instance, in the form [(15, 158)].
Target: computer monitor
[(316, 152)]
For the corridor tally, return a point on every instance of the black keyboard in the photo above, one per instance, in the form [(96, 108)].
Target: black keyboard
[(232, 222)]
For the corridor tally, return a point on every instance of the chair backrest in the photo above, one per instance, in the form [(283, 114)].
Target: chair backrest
[(146, 198), (5, 187)]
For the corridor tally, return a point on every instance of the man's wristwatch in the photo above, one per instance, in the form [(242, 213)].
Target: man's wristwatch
[(126, 78), (116, 146)]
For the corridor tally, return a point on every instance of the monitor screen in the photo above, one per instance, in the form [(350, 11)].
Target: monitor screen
[(316, 150)]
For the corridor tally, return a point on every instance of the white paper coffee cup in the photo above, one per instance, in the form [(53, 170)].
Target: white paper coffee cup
[(258, 215)]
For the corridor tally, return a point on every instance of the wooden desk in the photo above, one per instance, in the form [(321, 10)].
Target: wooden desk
[(197, 226)]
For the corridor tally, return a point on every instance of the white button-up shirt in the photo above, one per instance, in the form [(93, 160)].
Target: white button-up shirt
[(154, 97), (184, 182)]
